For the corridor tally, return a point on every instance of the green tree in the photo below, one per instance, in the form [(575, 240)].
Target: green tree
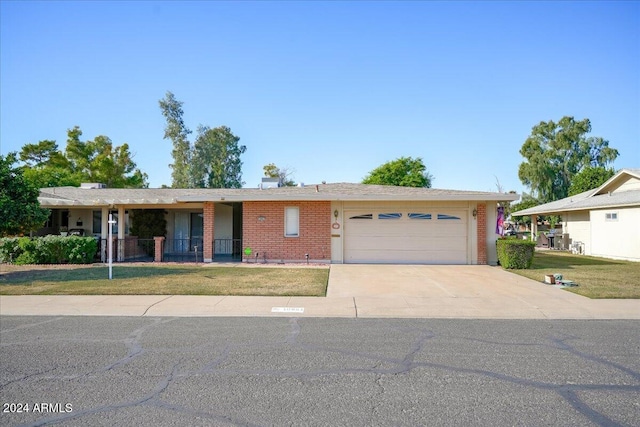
[(100, 161), (526, 201), (178, 133), (215, 160), (44, 153), (283, 174), (404, 172), (20, 211), (589, 178), (45, 166), (555, 152)]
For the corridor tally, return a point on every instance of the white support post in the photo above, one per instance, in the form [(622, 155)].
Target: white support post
[(110, 245)]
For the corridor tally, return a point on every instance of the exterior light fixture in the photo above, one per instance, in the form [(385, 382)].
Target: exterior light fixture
[(261, 218), (335, 214), (475, 213)]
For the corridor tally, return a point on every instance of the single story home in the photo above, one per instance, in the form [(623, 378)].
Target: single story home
[(601, 222), (337, 223)]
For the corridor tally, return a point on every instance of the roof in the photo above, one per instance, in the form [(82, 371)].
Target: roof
[(599, 198), (73, 196)]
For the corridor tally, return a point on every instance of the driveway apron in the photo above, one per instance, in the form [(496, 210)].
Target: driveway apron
[(468, 291)]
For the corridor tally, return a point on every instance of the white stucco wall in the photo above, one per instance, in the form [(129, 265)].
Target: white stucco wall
[(618, 239), (579, 228), (336, 233), (223, 222)]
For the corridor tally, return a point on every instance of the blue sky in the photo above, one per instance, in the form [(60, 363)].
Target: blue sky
[(329, 89)]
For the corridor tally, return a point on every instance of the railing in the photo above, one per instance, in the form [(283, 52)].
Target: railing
[(183, 250), (227, 249), (133, 249)]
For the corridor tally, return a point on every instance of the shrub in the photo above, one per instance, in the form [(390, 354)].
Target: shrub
[(9, 249), (515, 253), (48, 250)]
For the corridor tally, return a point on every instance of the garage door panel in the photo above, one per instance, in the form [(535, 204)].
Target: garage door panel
[(404, 257), (403, 243), (404, 239)]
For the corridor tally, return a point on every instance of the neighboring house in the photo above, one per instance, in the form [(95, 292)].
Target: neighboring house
[(338, 223), (601, 222)]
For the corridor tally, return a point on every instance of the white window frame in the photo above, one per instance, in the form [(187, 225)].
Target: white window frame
[(611, 216), (292, 221)]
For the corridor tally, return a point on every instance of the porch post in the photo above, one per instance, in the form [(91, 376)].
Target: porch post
[(534, 227), (104, 233), (158, 248), (121, 223), (208, 231)]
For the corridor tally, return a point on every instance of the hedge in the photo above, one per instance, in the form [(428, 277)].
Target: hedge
[(515, 253), (48, 250)]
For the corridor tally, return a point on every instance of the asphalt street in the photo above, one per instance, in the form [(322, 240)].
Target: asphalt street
[(106, 371)]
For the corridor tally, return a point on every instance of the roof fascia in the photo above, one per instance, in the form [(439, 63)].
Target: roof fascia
[(606, 187)]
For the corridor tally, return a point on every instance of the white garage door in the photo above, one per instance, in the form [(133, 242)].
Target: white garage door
[(437, 236)]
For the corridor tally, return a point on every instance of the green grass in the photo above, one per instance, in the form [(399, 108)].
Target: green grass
[(596, 277), (163, 280)]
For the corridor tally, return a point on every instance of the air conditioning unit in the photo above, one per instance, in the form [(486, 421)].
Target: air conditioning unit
[(92, 185)]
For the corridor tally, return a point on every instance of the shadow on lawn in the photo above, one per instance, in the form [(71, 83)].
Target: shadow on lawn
[(86, 273), (546, 260)]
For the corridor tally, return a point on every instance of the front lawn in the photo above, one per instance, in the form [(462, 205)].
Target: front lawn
[(596, 277), (163, 280)]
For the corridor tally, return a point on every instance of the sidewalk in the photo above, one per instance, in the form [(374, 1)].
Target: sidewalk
[(371, 291), (371, 307)]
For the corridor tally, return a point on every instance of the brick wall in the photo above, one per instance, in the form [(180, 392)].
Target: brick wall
[(208, 215), (481, 224), (267, 237)]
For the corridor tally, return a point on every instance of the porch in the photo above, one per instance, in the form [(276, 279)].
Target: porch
[(195, 232)]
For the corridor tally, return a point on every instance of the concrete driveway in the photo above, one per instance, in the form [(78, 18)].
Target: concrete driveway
[(469, 291)]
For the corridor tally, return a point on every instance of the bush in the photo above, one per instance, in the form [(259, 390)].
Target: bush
[(515, 253), (48, 250), (9, 249)]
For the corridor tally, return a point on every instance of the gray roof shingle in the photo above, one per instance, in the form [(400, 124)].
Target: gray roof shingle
[(591, 199), (72, 196)]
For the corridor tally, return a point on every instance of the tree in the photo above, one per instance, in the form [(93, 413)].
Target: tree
[(46, 166), (555, 152), (404, 172), (20, 211), (283, 174), (83, 161), (589, 178), (178, 133), (526, 201), (215, 160), (44, 153), (100, 161)]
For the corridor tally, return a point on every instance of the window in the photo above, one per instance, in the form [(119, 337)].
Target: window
[(419, 216), (97, 222), (389, 216), (291, 222), (611, 216), (445, 216), (364, 216), (114, 227)]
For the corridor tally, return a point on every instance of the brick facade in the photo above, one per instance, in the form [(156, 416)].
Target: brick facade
[(158, 248), (208, 215), (263, 231), (481, 224)]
